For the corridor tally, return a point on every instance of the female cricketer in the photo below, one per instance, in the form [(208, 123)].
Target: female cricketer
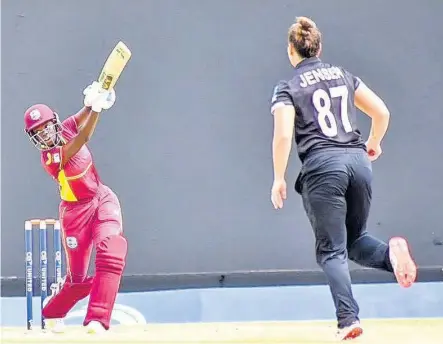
[(89, 211), (319, 104)]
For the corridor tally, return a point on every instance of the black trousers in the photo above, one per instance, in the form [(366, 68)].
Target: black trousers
[(335, 185)]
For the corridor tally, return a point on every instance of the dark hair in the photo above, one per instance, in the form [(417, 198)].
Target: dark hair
[(305, 37)]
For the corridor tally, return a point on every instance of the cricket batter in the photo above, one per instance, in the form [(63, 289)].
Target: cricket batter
[(320, 101), (89, 211)]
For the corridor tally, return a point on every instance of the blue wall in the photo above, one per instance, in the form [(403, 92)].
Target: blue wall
[(259, 304)]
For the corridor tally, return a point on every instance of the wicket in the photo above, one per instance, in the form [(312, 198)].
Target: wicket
[(43, 248)]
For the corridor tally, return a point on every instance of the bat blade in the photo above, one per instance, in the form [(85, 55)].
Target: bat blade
[(114, 65)]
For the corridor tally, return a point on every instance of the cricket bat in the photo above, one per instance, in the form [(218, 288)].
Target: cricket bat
[(114, 65)]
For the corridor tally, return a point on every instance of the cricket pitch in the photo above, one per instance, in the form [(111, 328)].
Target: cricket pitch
[(380, 331)]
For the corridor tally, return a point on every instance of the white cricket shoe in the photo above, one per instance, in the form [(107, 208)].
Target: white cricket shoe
[(350, 332), (94, 327), (54, 325)]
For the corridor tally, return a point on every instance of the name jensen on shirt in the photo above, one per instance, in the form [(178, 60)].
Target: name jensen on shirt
[(314, 76)]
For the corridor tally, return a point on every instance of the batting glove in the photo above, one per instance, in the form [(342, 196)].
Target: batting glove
[(89, 93), (97, 98)]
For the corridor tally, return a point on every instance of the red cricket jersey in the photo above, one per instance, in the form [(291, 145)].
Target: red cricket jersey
[(78, 180)]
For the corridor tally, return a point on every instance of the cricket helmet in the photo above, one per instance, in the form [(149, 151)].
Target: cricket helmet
[(36, 116)]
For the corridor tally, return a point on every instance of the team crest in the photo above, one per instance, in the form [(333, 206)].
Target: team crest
[(71, 242), (35, 115)]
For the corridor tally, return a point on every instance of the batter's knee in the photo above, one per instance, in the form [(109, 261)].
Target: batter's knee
[(111, 254)]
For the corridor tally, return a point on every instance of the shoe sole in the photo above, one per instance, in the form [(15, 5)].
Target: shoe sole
[(405, 269), (353, 333)]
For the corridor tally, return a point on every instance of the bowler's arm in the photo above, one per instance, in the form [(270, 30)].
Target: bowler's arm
[(283, 111), (372, 105)]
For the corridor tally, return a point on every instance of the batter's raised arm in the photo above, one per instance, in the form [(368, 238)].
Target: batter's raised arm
[(81, 116), (96, 99)]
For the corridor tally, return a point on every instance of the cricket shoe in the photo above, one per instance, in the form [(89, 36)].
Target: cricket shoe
[(405, 269), (94, 327), (350, 332), (54, 325)]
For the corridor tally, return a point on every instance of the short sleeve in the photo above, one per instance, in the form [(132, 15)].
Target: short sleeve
[(70, 124), (51, 160), (357, 81), (281, 96)]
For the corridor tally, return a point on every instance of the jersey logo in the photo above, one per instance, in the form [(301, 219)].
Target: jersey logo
[(52, 158), (49, 159), (35, 115)]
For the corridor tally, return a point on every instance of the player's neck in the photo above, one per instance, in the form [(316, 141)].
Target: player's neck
[(304, 59)]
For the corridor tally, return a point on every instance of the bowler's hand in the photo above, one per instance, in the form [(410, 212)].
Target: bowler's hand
[(278, 193), (374, 149)]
